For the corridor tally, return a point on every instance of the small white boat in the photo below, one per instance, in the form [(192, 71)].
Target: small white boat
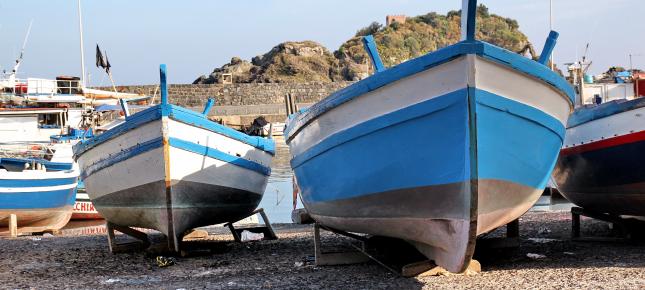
[(171, 169)]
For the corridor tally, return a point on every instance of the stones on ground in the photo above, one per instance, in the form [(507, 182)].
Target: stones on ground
[(544, 230), (535, 256), (163, 262), (543, 240), (473, 269)]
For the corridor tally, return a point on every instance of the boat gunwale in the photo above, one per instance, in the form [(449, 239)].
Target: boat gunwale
[(488, 51), (178, 114), (584, 115)]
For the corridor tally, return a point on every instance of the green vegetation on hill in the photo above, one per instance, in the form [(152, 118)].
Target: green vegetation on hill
[(309, 61)]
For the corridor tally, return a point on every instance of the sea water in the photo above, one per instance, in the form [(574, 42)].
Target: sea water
[(278, 196)]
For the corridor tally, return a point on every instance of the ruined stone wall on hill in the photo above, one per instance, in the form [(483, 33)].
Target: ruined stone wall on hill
[(250, 94)]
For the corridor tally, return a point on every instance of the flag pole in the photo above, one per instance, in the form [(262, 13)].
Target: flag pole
[(111, 80)]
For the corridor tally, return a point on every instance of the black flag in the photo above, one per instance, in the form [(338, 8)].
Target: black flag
[(102, 61)]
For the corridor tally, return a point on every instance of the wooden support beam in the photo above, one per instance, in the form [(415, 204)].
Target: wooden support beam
[(330, 259), (548, 47), (208, 107), (115, 247), (513, 229), (13, 225), (372, 52)]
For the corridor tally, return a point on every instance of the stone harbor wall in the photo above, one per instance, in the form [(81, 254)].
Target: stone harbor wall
[(237, 105), (243, 94)]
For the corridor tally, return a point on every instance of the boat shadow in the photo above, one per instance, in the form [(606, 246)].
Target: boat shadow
[(546, 243)]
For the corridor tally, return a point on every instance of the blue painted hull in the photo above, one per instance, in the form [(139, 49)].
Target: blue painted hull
[(433, 148), (36, 210)]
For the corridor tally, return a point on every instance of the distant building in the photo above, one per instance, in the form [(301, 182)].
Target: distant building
[(395, 18)]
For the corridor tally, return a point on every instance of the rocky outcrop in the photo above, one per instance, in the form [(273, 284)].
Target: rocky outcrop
[(305, 61), (308, 61)]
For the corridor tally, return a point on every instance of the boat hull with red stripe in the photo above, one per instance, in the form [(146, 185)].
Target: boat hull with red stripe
[(602, 165)]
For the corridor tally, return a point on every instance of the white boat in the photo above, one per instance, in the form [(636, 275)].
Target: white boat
[(171, 169), (29, 125)]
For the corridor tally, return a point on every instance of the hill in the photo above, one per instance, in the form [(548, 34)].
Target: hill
[(309, 61)]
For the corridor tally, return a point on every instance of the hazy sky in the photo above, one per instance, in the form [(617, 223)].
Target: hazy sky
[(193, 37)]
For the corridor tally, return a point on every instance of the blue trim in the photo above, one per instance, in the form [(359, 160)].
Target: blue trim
[(163, 84), (521, 110), (415, 111), (181, 115), (219, 155), (36, 182), (195, 119), (51, 166), (124, 108), (121, 156), (594, 112), (38, 200), (515, 143), (470, 13), (488, 51), (372, 52), (208, 107), (135, 121), (548, 47)]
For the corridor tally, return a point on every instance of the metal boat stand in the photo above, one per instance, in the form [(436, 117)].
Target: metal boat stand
[(265, 229), (400, 257), (624, 227)]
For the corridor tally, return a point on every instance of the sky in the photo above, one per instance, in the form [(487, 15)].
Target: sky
[(193, 37)]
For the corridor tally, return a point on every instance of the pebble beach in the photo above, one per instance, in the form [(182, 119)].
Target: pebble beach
[(546, 259)]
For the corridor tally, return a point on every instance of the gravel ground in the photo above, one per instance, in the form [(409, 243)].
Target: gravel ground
[(79, 262)]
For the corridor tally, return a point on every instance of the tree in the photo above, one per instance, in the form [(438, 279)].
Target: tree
[(371, 29)]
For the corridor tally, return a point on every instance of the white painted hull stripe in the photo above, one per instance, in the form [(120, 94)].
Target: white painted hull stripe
[(36, 189)]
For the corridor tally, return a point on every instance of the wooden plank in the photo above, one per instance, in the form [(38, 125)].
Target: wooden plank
[(270, 231), (415, 269), (13, 225)]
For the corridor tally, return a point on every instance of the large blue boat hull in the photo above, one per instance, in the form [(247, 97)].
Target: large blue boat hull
[(435, 151)]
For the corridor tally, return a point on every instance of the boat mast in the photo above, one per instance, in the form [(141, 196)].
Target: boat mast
[(80, 29), (14, 71)]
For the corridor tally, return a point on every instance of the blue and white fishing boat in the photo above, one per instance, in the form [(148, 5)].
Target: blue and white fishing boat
[(171, 169), (436, 150), (40, 193)]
